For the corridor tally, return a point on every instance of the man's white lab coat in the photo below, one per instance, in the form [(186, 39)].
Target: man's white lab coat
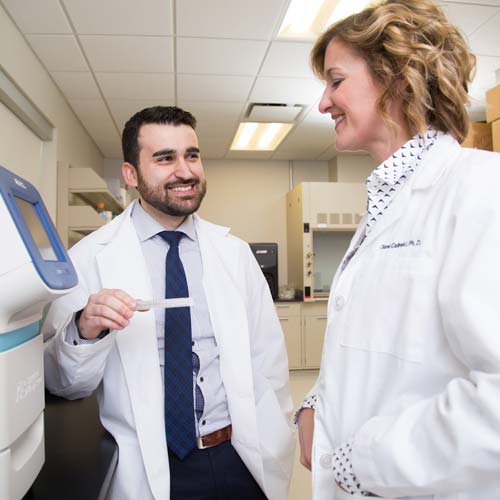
[(124, 366)]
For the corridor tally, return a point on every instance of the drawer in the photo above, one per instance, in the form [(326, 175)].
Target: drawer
[(287, 309), (316, 308)]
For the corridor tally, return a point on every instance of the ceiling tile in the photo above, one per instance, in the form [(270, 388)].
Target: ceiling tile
[(129, 54), (328, 153), (314, 116), (121, 17), (58, 52), (249, 155), (137, 85), (122, 110), (214, 148), (474, 2), (306, 140), (97, 120), (485, 77), (286, 90), (213, 88), (468, 17), (288, 59), (34, 16), (486, 40), (204, 112), (76, 84), (241, 19), (219, 56)]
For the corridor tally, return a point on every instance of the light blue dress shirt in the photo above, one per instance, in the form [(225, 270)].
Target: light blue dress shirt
[(215, 413)]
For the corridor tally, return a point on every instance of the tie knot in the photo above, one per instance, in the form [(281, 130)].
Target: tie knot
[(172, 237)]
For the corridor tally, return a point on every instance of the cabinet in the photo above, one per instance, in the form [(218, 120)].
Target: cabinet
[(321, 220), (314, 318), (290, 319), (303, 327), (79, 190)]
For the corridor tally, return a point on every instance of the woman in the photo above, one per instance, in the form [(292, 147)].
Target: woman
[(407, 403)]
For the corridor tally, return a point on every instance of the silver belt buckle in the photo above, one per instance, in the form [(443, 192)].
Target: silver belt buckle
[(199, 443)]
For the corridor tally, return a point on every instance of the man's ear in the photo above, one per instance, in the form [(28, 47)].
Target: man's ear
[(129, 173)]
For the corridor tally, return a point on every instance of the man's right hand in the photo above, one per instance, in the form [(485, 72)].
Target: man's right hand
[(107, 309), (306, 433)]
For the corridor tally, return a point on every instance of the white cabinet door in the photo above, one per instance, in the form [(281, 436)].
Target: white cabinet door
[(314, 333), (291, 330)]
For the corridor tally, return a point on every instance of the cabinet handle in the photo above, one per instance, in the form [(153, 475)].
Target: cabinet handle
[(322, 317), (282, 306), (283, 319)]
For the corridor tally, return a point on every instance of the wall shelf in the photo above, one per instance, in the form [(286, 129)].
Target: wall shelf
[(79, 191)]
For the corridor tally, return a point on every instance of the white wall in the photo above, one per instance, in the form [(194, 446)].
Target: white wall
[(71, 142)]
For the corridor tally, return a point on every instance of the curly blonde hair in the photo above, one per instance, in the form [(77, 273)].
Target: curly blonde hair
[(417, 55)]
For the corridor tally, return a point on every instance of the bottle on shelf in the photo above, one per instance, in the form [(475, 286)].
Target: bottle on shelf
[(105, 214)]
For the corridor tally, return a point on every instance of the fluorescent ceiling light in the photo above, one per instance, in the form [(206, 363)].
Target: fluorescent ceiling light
[(308, 18), (253, 136), (346, 8), (244, 135)]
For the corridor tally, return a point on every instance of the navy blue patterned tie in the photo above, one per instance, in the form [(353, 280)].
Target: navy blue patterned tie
[(179, 403)]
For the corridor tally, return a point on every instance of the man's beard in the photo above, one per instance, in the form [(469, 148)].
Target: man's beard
[(158, 197)]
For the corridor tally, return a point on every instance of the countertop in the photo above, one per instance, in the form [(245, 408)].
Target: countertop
[(80, 456)]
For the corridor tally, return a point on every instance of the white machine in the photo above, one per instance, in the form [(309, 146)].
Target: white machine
[(34, 270)]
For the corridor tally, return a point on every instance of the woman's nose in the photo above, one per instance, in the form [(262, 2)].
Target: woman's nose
[(325, 102)]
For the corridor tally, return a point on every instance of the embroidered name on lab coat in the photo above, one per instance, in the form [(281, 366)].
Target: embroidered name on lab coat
[(401, 244)]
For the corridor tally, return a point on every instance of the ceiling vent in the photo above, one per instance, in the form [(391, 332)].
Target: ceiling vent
[(272, 112)]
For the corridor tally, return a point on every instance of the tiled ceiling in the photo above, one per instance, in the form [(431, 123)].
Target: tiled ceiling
[(213, 57)]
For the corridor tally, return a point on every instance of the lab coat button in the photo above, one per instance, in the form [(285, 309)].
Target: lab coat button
[(326, 461), (339, 303)]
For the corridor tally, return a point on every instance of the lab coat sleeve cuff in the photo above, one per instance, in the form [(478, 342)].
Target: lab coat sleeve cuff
[(73, 338), (308, 402)]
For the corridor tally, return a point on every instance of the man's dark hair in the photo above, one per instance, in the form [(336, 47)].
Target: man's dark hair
[(163, 115)]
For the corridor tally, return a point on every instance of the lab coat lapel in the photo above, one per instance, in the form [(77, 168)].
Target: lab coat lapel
[(440, 157), (121, 265)]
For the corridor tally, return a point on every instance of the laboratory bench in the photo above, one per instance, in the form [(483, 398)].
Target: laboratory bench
[(80, 456)]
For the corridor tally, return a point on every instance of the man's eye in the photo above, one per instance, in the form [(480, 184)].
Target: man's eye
[(193, 156), (165, 158)]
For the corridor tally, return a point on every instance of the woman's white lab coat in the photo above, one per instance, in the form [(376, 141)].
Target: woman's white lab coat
[(124, 366), (411, 360)]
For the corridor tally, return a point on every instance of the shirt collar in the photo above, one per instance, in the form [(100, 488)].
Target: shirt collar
[(147, 226), (405, 158)]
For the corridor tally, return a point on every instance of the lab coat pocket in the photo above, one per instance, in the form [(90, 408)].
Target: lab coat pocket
[(390, 301)]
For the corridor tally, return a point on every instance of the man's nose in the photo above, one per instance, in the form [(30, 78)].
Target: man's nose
[(182, 170)]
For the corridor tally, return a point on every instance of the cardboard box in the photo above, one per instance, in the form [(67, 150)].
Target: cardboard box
[(479, 136), (493, 104), (495, 132)]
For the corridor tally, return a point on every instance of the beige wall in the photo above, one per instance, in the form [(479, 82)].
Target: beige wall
[(71, 143), (351, 168), (250, 197)]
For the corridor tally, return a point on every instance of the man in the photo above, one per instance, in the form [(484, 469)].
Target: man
[(197, 397)]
